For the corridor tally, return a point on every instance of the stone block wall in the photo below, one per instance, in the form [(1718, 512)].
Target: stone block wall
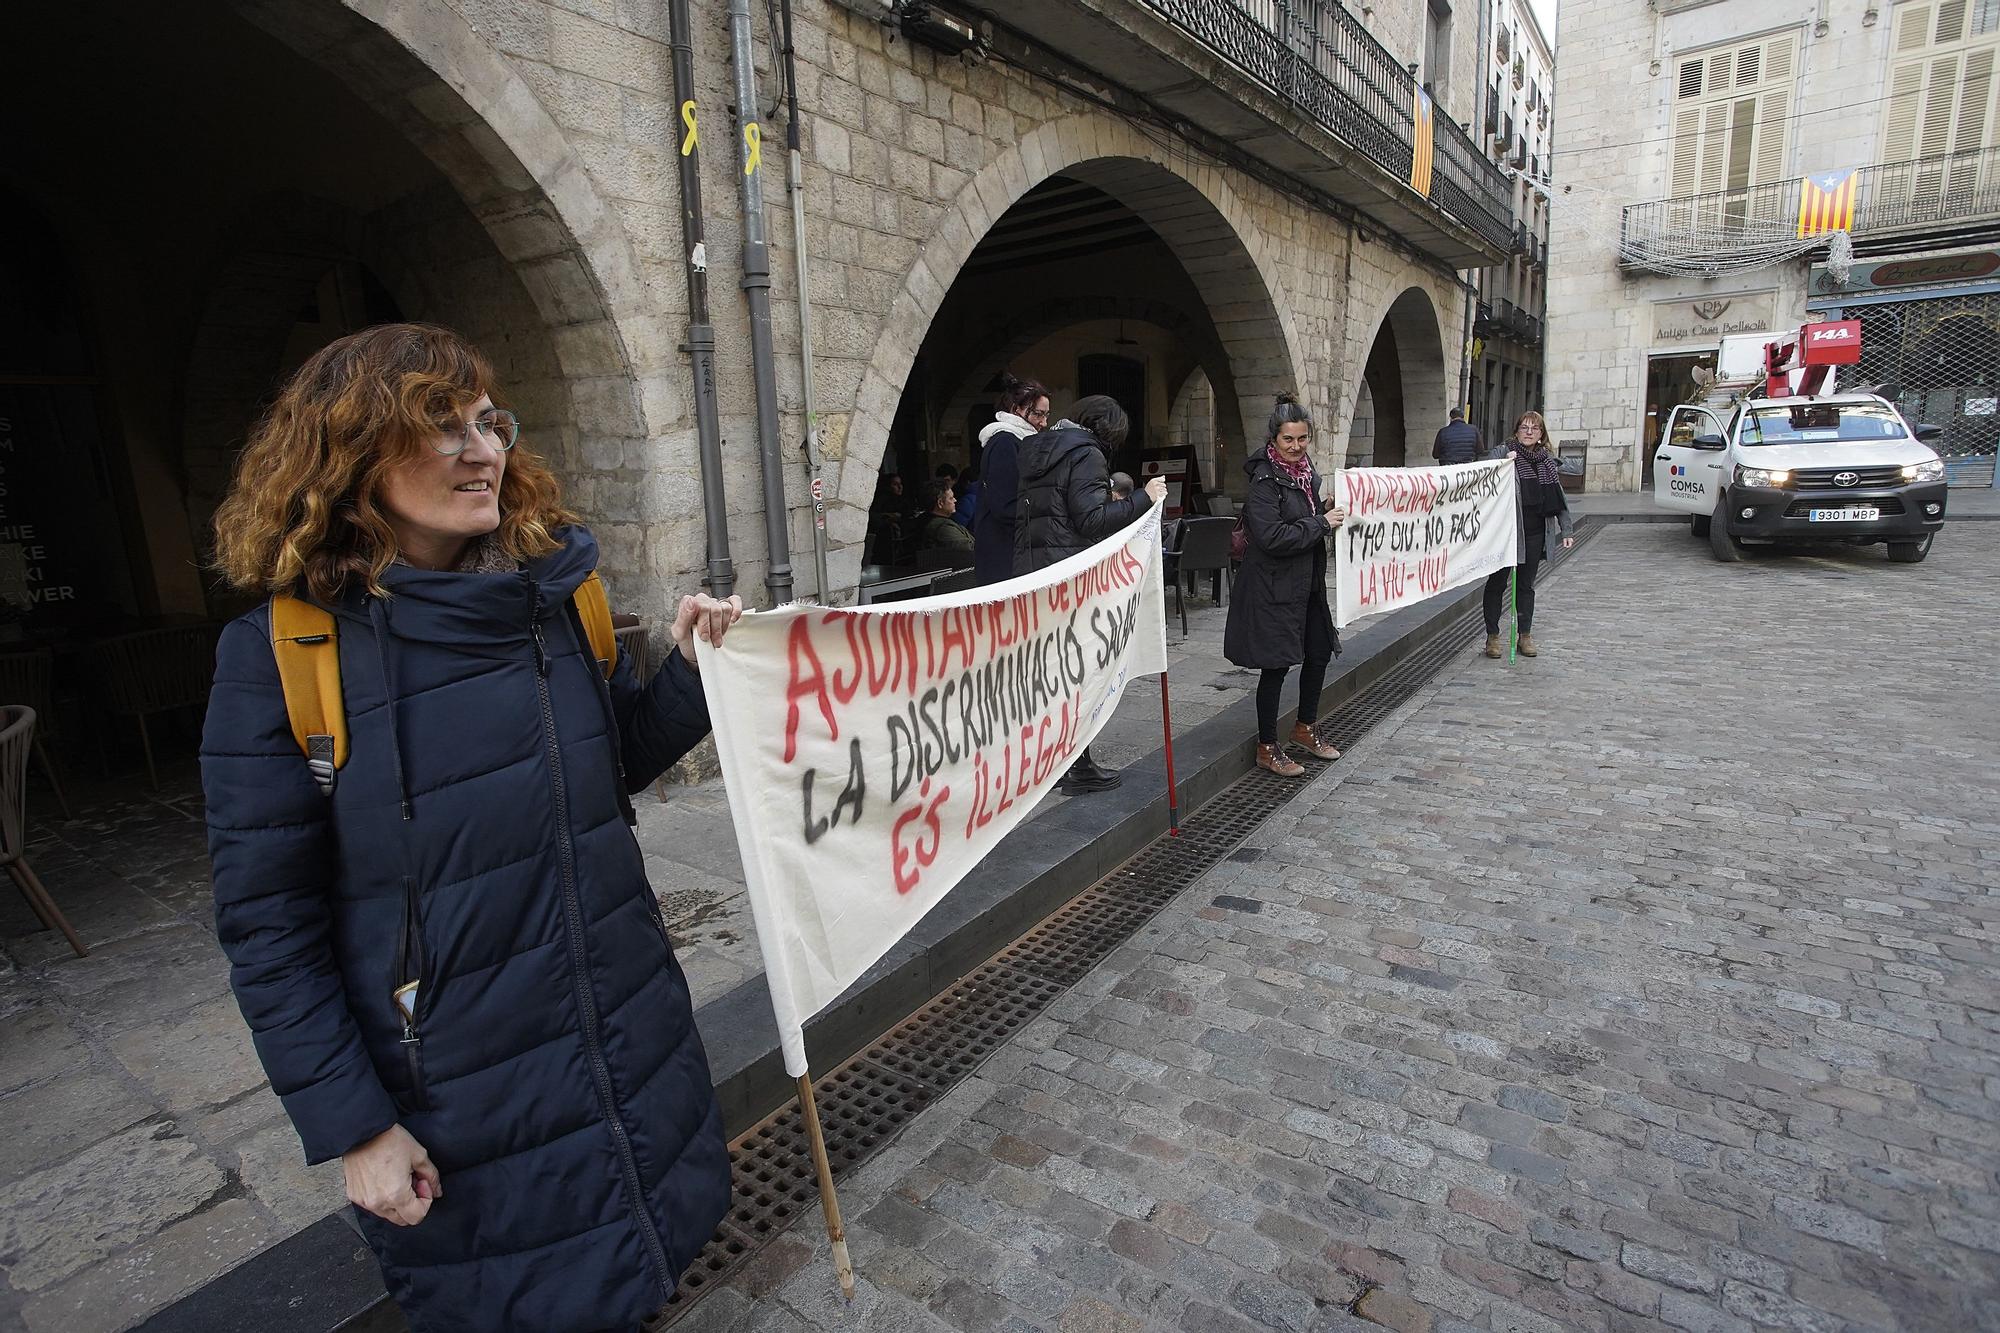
[(556, 122), (1614, 142)]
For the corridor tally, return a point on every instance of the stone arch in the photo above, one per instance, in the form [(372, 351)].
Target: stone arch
[(1208, 226), (428, 254), (465, 107), (1193, 422), (1036, 322), (1408, 346)]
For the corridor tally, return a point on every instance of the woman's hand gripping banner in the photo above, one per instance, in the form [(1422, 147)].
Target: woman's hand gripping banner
[(874, 755), (1411, 533)]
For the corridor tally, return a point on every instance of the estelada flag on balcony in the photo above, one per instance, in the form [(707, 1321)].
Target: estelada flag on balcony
[(1420, 145), (1826, 202)]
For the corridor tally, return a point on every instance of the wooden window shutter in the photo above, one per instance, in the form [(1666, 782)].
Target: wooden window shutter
[(1940, 99), (1687, 153), (1906, 86), (1950, 21), (1721, 71), (1913, 28), (1774, 111), (1975, 97), (1714, 146), (1690, 78)]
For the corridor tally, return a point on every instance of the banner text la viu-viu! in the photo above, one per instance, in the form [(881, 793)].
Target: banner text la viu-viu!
[(1412, 533)]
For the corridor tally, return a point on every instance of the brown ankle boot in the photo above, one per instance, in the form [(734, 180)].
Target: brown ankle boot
[(1274, 758), (1526, 646), (1308, 740), (1493, 646)]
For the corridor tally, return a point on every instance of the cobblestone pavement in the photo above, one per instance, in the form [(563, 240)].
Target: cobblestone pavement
[(145, 1153), (1647, 984)]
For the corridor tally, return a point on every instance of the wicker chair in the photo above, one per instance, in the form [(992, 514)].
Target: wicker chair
[(155, 671), (17, 739), (27, 677)]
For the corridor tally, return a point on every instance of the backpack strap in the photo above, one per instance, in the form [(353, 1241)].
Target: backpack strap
[(593, 608), (306, 643)]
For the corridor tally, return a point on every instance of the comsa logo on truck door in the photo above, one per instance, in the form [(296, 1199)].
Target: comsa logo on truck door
[(1679, 480)]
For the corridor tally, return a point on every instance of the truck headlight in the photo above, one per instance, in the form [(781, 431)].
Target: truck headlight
[(1931, 469), (1763, 476)]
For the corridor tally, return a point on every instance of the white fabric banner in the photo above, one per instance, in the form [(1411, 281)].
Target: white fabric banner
[(875, 754), (1413, 532)]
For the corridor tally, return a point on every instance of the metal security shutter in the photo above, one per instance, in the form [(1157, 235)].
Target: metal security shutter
[(1943, 354)]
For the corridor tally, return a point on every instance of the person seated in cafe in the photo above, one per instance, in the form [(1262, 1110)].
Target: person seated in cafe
[(937, 530)]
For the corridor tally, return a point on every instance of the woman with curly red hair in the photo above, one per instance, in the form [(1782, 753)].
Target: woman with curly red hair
[(455, 972)]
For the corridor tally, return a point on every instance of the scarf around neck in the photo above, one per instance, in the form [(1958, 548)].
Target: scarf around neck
[(1532, 468), (1301, 471)]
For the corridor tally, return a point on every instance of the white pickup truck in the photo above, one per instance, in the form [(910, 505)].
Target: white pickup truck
[(1787, 466)]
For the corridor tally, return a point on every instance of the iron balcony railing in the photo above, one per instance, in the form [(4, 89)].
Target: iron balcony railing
[(1734, 228), (1316, 54)]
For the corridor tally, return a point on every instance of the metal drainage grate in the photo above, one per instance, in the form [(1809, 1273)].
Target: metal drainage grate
[(865, 1101)]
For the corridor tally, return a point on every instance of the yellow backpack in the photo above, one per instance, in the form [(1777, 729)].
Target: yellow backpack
[(305, 640)]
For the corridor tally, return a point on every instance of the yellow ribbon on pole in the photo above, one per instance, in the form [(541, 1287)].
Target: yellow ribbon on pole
[(692, 139), (753, 139)]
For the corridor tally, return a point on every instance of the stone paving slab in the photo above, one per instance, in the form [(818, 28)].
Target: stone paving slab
[(1653, 983)]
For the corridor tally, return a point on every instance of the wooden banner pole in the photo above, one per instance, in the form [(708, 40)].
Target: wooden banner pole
[(1173, 798), (843, 1267)]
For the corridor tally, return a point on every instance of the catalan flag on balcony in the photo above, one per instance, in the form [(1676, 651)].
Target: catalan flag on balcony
[(1420, 145), (1826, 202)]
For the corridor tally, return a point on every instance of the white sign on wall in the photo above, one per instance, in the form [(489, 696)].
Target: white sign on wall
[(1706, 321)]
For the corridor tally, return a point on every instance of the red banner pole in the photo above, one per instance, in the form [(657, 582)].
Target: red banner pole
[(1173, 799)]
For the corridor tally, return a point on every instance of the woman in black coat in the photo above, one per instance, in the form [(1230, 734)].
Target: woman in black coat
[(456, 975), (1023, 410), (1278, 612), (1066, 507), (1538, 477)]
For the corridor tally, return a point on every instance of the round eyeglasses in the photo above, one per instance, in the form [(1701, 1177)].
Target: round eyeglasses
[(499, 427)]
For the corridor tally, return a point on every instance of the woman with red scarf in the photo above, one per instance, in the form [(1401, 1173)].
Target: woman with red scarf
[(1542, 501), (1278, 612)]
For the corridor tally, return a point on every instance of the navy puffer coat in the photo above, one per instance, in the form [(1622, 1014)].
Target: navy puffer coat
[(476, 838)]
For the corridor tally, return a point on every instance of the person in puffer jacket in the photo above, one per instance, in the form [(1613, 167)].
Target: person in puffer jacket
[(1066, 507), (1023, 410), (456, 975)]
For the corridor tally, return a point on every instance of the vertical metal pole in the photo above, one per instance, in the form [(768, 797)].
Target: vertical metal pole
[(757, 290), (701, 334), (1173, 797), (796, 183)]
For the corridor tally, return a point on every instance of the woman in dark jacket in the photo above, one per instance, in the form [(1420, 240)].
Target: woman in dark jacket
[(1066, 507), (455, 972), (1023, 410), (1278, 612), (1539, 478)]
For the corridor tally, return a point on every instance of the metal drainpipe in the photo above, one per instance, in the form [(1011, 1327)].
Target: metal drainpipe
[(757, 290), (701, 334), (1482, 63), (795, 183)]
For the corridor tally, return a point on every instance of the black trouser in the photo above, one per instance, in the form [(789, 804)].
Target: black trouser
[(1312, 674), (1524, 591)]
